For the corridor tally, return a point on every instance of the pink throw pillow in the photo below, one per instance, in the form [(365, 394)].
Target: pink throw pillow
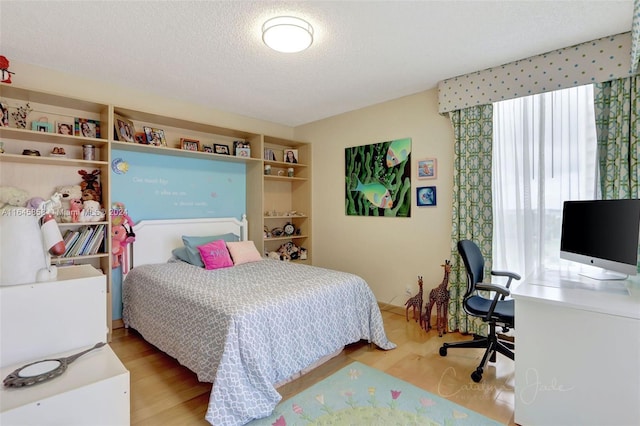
[(243, 252), (215, 255)]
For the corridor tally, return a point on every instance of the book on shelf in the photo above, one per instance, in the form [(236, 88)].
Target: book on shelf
[(81, 241)]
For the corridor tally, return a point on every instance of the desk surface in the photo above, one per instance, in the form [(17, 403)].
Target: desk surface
[(620, 298)]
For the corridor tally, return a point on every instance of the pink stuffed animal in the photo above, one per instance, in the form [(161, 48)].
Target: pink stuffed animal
[(118, 236), (75, 207), (121, 235)]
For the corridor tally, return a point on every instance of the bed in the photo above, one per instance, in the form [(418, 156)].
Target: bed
[(245, 328)]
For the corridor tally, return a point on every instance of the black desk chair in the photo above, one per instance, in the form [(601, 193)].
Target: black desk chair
[(494, 312)]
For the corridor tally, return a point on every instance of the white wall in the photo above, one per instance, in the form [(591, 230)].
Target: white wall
[(388, 252), (51, 81)]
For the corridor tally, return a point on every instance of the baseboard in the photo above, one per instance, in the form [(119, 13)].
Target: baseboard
[(119, 323)]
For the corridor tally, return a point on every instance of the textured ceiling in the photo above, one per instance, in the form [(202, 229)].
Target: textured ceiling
[(365, 52)]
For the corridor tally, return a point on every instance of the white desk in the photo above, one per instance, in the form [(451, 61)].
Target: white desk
[(578, 351)]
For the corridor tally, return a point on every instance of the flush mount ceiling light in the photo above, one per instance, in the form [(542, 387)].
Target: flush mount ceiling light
[(287, 34)]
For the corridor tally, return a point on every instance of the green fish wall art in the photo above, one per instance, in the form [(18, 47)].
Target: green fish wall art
[(378, 179)]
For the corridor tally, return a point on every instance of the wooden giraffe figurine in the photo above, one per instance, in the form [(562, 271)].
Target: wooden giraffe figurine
[(415, 302), (439, 296)]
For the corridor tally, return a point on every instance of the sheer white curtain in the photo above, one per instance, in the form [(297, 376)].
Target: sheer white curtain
[(544, 152)]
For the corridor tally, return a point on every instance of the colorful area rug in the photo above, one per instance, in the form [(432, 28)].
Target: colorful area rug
[(361, 395)]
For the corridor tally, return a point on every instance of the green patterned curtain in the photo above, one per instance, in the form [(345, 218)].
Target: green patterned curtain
[(472, 205), (617, 123)]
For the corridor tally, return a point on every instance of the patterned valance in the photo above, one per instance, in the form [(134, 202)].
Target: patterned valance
[(595, 61)]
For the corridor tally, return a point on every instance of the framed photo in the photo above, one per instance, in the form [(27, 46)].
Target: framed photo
[(427, 168), (269, 155), (243, 152), (220, 149), (207, 148), (426, 196), (190, 144), (124, 129), (4, 115), (155, 136), (290, 155), (42, 126), (140, 137), (240, 144), (87, 128), (64, 128)]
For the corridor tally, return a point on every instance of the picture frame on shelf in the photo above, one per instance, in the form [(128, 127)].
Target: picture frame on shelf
[(426, 196), (42, 126), (87, 128), (155, 136), (124, 129), (241, 145), (207, 148), (428, 168), (290, 155), (243, 152), (140, 137), (269, 155), (4, 115), (64, 128), (189, 144), (220, 149)]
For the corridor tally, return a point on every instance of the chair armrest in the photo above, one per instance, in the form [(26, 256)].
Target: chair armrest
[(512, 275), (501, 293), (493, 287)]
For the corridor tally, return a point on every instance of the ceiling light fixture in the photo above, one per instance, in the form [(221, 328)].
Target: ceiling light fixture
[(287, 34)]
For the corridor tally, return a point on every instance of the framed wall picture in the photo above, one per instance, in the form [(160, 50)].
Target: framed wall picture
[(64, 128), (154, 136), (207, 148), (427, 168), (290, 155), (190, 144), (426, 196), (220, 149), (42, 126), (87, 128), (124, 129)]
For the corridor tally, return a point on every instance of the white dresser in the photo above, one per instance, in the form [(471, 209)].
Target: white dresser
[(57, 319)]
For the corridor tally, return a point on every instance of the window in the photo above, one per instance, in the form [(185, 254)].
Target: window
[(544, 152)]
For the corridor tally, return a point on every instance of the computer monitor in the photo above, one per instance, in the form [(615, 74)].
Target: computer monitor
[(602, 233)]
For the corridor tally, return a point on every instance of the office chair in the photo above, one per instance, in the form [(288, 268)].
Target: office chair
[(494, 311)]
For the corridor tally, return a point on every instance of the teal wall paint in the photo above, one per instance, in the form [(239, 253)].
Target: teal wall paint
[(155, 186)]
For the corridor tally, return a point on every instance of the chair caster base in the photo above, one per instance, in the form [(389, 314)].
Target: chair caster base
[(476, 376), (443, 351)]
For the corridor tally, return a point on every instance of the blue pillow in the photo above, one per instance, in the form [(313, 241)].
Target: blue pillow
[(192, 243), (181, 253)]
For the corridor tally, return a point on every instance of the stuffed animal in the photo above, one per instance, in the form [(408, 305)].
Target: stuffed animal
[(91, 212), (34, 203), (121, 235), (75, 207), (52, 205), (69, 192), (12, 196), (273, 255), (118, 237), (90, 186)]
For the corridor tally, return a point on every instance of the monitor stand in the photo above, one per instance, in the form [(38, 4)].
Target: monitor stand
[(604, 275)]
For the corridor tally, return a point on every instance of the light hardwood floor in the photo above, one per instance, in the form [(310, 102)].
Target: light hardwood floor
[(165, 393)]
